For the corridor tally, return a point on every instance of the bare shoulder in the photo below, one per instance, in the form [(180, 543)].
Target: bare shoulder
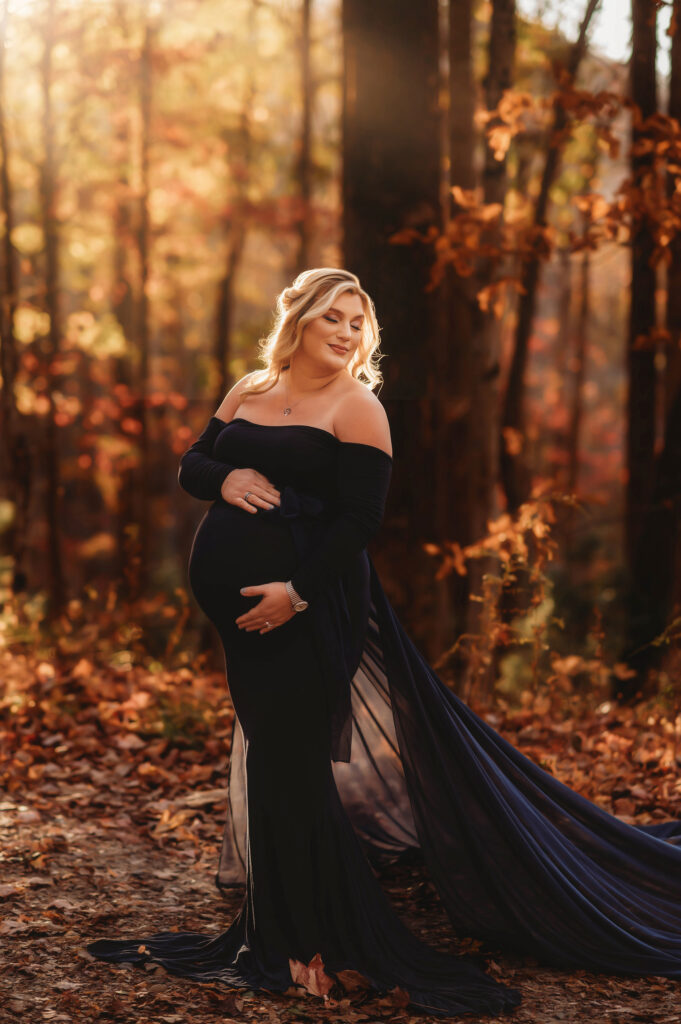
[(232, 400), (360, 417)]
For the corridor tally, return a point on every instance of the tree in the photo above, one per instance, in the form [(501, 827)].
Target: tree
[(641, 374), (484, 412), (451, 362), (655, 553), (15, 448), (514, 473), (48, 192), (391, 181)]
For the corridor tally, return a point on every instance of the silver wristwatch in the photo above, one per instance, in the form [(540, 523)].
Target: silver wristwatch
[(299, 605)]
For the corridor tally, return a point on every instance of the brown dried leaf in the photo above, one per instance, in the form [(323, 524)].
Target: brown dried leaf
[(397, 997), (352, 981), (311, 976)]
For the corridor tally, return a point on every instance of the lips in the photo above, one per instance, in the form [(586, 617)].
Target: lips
[(338, 348)]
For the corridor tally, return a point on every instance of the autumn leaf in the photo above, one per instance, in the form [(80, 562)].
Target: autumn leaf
[(397, 997), (312, 976), (353, 981), (513, 439)]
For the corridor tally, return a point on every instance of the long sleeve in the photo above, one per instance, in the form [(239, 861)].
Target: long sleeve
[(201, 475), (364, 473)]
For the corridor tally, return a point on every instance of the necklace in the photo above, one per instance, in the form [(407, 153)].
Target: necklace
[(289, 408)]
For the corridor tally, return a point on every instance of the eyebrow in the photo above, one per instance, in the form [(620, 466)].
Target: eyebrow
[(340, 313)]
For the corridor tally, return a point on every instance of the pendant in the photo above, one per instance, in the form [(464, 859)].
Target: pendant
[(286, 411)]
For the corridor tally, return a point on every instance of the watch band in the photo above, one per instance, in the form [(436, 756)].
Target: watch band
[(294, 595)]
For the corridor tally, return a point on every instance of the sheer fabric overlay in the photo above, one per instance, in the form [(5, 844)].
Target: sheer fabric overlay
[(517, 857)]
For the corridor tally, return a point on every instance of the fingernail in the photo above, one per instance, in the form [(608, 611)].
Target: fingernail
[(270, 506)]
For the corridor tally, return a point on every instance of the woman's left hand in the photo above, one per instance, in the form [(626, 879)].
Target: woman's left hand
[(275, 608)]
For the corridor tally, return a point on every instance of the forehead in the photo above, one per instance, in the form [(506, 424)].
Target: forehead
[(347, 303)]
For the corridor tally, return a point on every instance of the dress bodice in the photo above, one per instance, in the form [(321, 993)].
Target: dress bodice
[(295, 454)]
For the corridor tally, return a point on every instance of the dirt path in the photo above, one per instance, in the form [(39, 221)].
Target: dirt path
[(74, 875), (111, 811)]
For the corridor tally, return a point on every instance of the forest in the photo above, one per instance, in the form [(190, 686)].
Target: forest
[(510, 197)]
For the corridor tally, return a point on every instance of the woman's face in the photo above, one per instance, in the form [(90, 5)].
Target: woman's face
[(331, 339)]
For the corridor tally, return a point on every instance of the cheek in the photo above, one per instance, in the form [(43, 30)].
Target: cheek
[(317, 332), (311, 338)]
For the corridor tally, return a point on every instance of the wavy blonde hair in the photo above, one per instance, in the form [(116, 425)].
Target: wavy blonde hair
[(312, 293)]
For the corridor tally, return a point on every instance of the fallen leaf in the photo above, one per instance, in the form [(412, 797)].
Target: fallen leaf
[(352, 981), (311, 976), (396, 997)]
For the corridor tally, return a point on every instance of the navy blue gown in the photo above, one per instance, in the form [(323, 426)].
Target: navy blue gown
[(346, 742)]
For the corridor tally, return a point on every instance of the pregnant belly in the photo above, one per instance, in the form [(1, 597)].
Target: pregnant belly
[(273, 677), (236, 548)]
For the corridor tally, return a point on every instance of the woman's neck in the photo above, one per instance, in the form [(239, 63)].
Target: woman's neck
[(300, 380)]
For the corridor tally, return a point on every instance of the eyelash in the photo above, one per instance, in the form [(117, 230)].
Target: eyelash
[(332, 321)]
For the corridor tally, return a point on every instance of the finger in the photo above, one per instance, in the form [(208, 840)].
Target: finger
[(253, 617), (254, 622), (266, 487), (249, 619), (261, 500), (263, 480), (243, 503), (268, 494), (258, 501)]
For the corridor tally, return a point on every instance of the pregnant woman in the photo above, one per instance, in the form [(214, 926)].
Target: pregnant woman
[(346, 741)]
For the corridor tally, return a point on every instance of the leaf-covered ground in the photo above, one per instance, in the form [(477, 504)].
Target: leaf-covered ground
[(110, 818)]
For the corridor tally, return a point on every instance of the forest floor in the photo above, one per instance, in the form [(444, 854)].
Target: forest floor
[(110, 825)]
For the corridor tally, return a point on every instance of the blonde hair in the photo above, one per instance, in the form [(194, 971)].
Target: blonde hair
[(312, 293)]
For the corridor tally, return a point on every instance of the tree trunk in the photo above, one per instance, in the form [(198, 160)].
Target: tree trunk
[(577, 403), (655, 578), (392, 180), (14, 456), (139, 575), (123, 305), (234, 229), (51, 344), (452, 358), (562, 353), (306, 223), (8, 352), (641, 374), (672, 435), (515, 474), (484, 422)]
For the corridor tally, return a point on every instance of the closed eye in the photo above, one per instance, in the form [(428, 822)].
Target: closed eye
[(355, 327)]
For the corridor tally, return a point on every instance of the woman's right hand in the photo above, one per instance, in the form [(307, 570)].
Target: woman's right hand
[(239, 481)]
